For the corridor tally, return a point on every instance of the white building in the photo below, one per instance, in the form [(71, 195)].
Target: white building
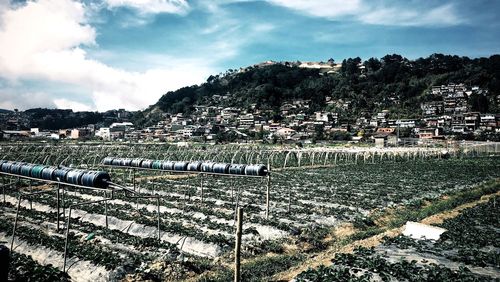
[(35, 131), (285, 132), (104, 133)]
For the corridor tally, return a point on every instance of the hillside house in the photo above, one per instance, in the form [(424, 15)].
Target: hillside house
[(488, 122), (285, 132), (428, 133), (385, 139), (432, 108)]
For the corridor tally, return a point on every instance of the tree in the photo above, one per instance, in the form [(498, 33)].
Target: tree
[(350, 66), (479, 103), (319, 130), (373, 64)]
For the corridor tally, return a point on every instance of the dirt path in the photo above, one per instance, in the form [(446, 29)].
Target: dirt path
[(325, 257)]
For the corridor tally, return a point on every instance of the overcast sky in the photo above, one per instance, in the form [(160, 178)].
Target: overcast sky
[(101, 55)]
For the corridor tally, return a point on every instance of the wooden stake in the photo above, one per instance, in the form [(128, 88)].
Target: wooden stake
[(237, 247)]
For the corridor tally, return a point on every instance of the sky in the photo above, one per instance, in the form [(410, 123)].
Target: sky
[(99, 55)]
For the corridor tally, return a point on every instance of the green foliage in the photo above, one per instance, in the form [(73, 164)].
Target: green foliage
[(366, 265), (411, 214), (314, 236), (57, 119), (259, 269), (471, 238), (24, 269), (370, 90)]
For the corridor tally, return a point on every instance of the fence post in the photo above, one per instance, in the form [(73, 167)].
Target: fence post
[(237, 248)]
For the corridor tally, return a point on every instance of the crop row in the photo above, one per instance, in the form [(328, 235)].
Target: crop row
[(24, 268), (366, 265), (471, 241), (323, 195), (343, 192), (472, 238), (91, 252)]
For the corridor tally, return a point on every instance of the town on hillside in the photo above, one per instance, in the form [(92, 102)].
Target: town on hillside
[(447, 116)]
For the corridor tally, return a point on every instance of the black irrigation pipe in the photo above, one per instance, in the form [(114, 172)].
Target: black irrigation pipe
[(54, 182), (114, 187)]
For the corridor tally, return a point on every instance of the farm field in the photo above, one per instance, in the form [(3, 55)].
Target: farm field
[(197, 238), (467, 251)]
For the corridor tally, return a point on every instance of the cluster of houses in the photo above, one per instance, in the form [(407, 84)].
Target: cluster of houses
[(451, 113), (447, 115)]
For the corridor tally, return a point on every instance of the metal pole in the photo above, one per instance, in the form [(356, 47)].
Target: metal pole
[(63, 202), (3, 188), (69, 226), (67, 239), (106, 208), (289, 197), (232, 190), (237, 247), (201, 186), (133, 178), (139, 191), (159, 217), (268, 195), (15, 223), (31, 191), (57, 203)]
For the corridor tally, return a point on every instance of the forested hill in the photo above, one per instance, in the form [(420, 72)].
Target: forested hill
[(392, 82)]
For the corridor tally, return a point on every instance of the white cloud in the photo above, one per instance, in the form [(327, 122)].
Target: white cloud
[(48, 47), (23, 101), (322, 8), (444, 15), (4, 4), (152, 6), (68, 104), (53, 26), (383, 12)]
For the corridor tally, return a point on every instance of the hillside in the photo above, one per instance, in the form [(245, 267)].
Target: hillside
[(392, 82), (53, 119)]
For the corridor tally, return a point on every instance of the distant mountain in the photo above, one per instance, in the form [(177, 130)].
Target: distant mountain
[(58, 118), (392, 82), (3, 111), (53, 119)]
